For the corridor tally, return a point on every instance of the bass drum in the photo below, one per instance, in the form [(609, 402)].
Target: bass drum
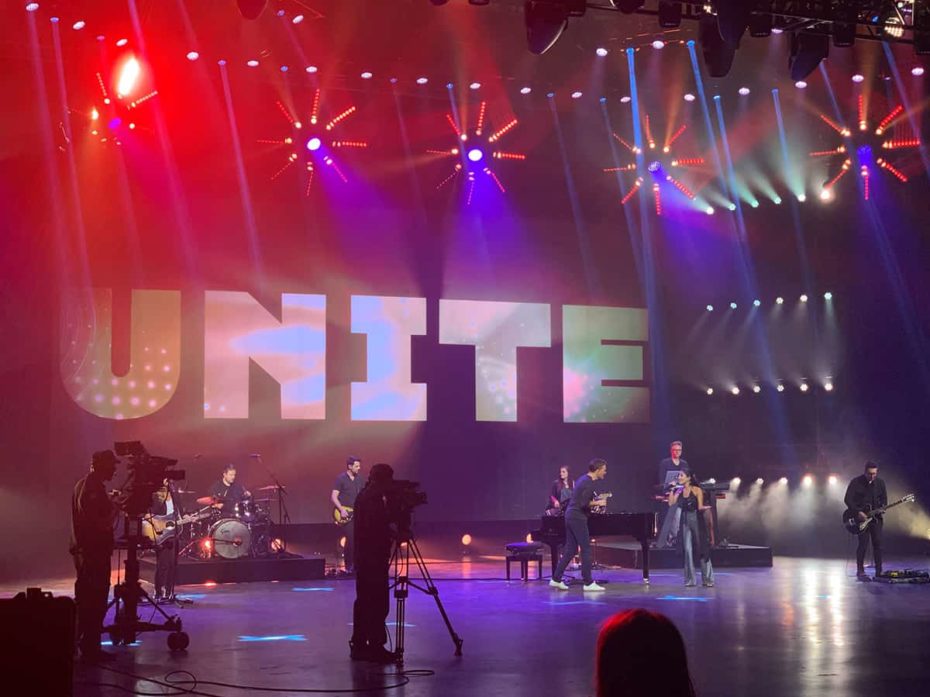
[(231, 539)]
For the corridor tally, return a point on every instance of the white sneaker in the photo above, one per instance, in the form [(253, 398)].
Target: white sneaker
[(558, 584), (594, 587)]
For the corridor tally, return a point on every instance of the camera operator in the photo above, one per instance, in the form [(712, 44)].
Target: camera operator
[(372, 519), (92, 515)]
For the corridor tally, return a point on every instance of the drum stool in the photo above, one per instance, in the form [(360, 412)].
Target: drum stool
[(525, 553)]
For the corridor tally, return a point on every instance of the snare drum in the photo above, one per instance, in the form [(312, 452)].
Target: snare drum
[(231, 539)]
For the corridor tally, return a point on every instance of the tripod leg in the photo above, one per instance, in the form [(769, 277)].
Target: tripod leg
[(432, 590)]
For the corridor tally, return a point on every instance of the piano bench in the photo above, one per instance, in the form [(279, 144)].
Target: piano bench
[(525, 553)]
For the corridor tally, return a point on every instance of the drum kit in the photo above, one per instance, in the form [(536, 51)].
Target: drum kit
[(230, 529)]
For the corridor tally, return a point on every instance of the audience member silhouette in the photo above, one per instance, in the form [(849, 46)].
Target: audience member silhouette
[(641, 654)]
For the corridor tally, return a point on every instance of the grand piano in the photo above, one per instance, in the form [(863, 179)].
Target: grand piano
[(642, 526)]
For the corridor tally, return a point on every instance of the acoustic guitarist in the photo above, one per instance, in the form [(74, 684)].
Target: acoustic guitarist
[(164, 515), (866, 493), (345, 491)]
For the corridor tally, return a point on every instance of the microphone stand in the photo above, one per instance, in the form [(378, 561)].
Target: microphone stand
[(284, 518)]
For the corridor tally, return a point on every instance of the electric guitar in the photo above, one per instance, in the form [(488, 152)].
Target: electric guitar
[(340, 519), (161, 528), (855, 526), (599, 504)]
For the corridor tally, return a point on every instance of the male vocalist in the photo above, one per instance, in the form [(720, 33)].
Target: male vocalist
[(584, 499), (92, 515), (670, 523), (166, 559), (346, 489), (866, 493), (227, 492)]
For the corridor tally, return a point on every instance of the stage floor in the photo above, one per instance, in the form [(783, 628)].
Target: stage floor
[(804, 627)]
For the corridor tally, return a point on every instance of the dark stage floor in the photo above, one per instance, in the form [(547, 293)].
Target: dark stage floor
[(803, 627)]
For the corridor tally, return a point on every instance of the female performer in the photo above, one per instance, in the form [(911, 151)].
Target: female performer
[(560, 493), (689, 497)]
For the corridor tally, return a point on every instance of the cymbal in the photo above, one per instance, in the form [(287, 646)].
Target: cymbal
[(270, 487), (185, 491), (209, 500)]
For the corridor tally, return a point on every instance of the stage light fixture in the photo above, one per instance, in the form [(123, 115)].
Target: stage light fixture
[(128, 76), (828, 386), (710, 391), (734, 390), (783, 481), (733, 19), (844, 24), (805, 52), (576, 95), (32, 7), (658, 44), (628, 6), (780, 387), (743, 91), (828, 296), (917, 70), (736, 481), (732, 306), (689, 97), (297, 19), (921, 22), (422, 80), (801, 84), (857, 78), (779, 300), (475, 154), (545, 20), (311, 69), (601, 52), (709, 210), (669, 14), (466, 540), (808, 480), (80, 24), (252, 63), (804, 298), (760, 25), (192, 55), (756, 302), (314, 144), (826, 195), (625, 99), (804, 387), (710, 308), (760, 481), (756, 389), (526, 90), (718, 55), (367, 75), (251, 9), (832, 480), (475, 86)]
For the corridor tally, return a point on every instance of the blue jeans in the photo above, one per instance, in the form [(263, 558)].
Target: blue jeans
[(691, 533), (576, 535)]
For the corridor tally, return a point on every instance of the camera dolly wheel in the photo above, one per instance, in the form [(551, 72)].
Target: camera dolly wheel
[(178, 641)]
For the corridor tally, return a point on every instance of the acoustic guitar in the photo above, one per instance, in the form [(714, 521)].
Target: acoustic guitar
[(161, 528)]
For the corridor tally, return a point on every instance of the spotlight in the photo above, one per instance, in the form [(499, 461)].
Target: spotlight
[(743, 91), (297, 19), (625, 99), (736, 481), (80, 24), (628, 6), (806, 50), (658, 44), (529, 537), (832, 480), (826, 195), (828, 385), (718, 55), (546, 20), (734, 390), (780, 387), (32, 7), (311, 69), (526, 90), (128, 76), (475, 154), (669, 14), (342, 542), (757, 389), (777, 200), (800, 84), (709, 210), (756, 302), (807, 480), (779, 300), (314, 144), (366, 75), (710, 308), (601, 52), (710, 391), (422, 80), (731, 207), (252, 63), (804, 387), (466, 540), (251, 9), (733, 19), (192, 55), (783, 481), (917, 70), (576, 95), (803, 298), (732, 306), (828, 296), (475, 86), (802, 198), (689, 97), (760, 481)]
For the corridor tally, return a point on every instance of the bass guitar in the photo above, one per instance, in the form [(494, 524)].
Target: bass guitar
[(161, 528), (855, 526)]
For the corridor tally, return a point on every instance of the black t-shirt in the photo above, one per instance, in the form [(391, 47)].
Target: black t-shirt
[(668, 464), (348, 488), (91, 516), (231, 494), (582, 496), (372, 521), (863, 496)]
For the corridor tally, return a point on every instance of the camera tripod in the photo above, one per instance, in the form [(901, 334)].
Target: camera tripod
[(404, 548), (127, 594)]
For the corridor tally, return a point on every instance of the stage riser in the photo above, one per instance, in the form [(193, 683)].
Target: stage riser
[(243, 570), (672, 558)]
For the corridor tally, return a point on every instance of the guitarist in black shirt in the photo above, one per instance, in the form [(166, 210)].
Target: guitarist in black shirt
[(166, 558), (866, 493)]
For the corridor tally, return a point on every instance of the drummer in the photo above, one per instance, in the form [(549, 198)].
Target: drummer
[(227, 492)]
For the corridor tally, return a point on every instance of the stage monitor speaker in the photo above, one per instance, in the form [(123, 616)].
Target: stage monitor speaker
[(37, 635)]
